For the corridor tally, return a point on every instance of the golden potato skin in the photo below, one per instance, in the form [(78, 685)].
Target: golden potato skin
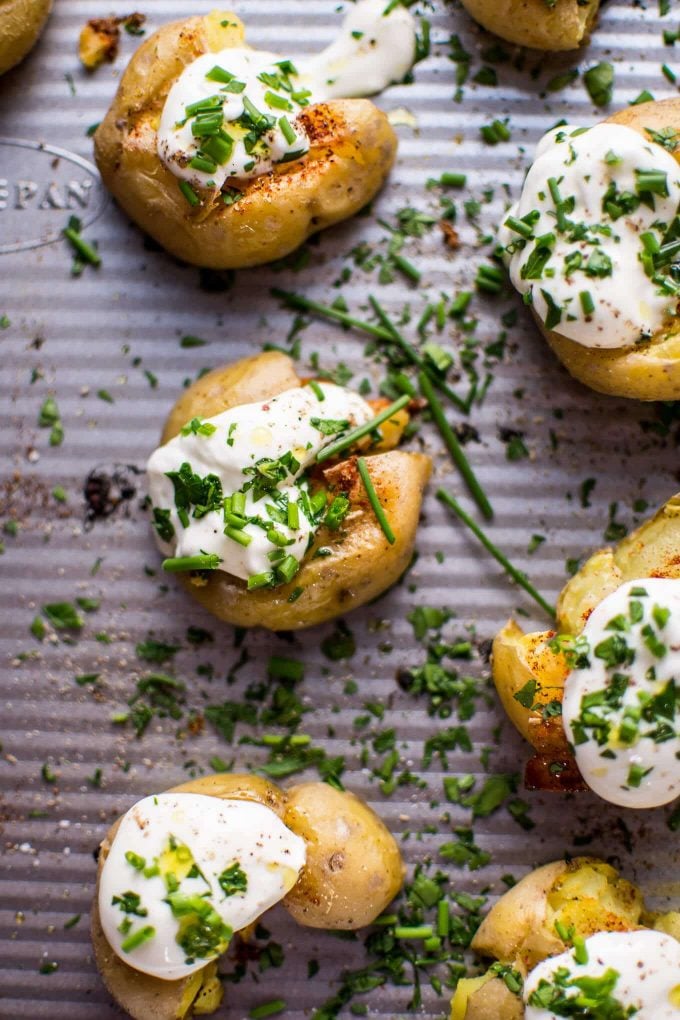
[(142, 995), (21, 22), (566, 26), (334, 584), (352, 148), (354, 868), (648, 371), (652, 550)]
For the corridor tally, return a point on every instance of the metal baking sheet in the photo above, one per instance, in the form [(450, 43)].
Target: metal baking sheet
[(106, 345)]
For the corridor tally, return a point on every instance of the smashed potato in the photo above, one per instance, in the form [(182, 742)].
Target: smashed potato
[(519, 659), (21, 22), (352, 149), (353, 870), (649, 370), (583, 896), (349, 577), (564, 25)]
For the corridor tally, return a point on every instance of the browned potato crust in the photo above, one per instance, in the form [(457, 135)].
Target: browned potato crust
[(352, 150), (652, 550), (354, 868), (21, 22), (651, 370), (566, 26), (331, 585)]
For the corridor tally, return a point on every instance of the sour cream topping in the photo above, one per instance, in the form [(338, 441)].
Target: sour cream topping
[(185, 871), (236, 113), (621, 708), (639, 971), (233, 486), (585, 243)]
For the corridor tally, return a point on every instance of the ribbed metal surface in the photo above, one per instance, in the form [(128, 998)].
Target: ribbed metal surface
[(102, 331)]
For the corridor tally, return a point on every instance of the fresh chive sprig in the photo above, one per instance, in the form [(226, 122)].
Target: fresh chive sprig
[(178, 564), (448, 500), (453, 446), (386, 332), (362, 430), (375, 502)]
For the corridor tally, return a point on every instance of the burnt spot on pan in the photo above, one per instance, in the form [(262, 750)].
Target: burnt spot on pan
[(107, 489)]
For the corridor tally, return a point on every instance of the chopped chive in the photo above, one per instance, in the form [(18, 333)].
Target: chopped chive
[(276, 537), (295, 594), (207, 166), (587, 303), (219, 147), (189, 193), (287, 569), (519, 227), (423, 931), (287, 130), (210, 103), (443, 919), (293, 516), (264, 580), (362, 430), (234, 520), (277, 102), (666, 253), (138, 938), (267, 1009), (207, 124), (238, 503), (255, 115), (242, 537), (650, 243), (375, 502), (176, 564), (654, 181), (489, 279), (448, 500), (453, 446), (135, 861), (450, 179), (406, 267), (316, 389), (84, 251), (219, 74), (280, 668)]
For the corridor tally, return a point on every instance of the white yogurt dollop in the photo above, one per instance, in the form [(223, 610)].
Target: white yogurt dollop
[(595, 206), (621, 710), (185, 871), (638, 970), (258, 452), (235, 114)]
